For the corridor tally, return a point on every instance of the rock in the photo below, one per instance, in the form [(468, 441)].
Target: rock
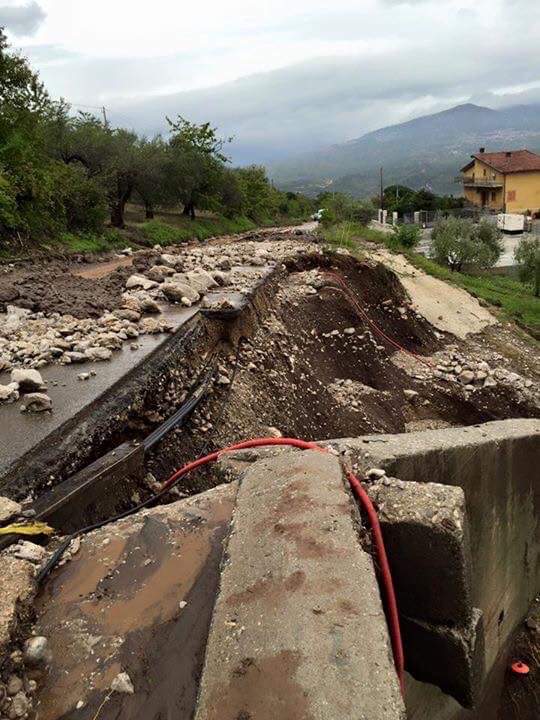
[(374, 473), (98, 353), (9, 393), (175, 292), (466, 377), (222, 278), (147, 304), (490, 382), (36, 403), (28, 380), (349, 331), (139, 281), (199, 280), (223, 380), (36, 650), (20, 706), (75, 357), (126, 251), (410, 394), (8, 509), (83, 376), (14, 685), (122, 684), (26, 550), (127, 314), (171, 260)]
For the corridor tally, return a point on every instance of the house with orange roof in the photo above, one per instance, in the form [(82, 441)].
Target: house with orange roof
[(507, 181)]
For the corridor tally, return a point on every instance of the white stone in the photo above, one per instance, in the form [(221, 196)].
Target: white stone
[(139, 281), (122, 684), (26, 550), (8, 509), (27, 379), (9, 393)]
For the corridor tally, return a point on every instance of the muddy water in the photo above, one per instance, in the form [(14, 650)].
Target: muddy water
[(138, 597)]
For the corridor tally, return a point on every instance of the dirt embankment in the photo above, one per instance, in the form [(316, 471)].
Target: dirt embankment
[(313, 368)]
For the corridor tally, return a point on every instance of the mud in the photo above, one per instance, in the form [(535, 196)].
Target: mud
[(53, 288)]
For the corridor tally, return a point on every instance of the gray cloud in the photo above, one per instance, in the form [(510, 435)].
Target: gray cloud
[(22, 19)]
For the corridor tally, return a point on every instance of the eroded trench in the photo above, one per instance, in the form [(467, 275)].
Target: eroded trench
[(298, 360)]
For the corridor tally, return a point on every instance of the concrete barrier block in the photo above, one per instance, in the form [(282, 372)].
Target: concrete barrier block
[(426, 536), (298, 629)]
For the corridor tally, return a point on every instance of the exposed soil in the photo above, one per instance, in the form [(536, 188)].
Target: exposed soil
[(53, 288), (312, 368)]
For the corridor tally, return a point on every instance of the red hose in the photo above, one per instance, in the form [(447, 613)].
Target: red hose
[(364, 499)]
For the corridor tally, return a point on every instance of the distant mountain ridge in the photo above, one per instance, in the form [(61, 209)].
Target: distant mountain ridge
[(426, 151)]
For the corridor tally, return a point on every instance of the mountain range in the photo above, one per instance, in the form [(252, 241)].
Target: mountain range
[(425, 152)]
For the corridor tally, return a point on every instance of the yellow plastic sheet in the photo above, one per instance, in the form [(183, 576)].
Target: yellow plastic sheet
[(35, 528)]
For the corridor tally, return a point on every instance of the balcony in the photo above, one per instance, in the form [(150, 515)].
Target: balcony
[(478, 182)]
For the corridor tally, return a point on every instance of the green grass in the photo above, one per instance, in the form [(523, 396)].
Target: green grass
[(347, 234), (89, 242), (162, 233), (515, 300)]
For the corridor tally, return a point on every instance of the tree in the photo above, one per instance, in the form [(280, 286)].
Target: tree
[(459, 243), (527, 256), (196, 163), (407, 236), (151, 179), (112, 157)]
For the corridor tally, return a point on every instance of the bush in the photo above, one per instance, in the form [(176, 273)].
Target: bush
[(459, 243), (407, 236), (527, 256)]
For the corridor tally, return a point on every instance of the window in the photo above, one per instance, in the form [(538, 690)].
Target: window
[(511, 196), (485, 173), (493, 196)]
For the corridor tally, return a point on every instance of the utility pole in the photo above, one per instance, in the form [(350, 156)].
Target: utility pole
[(105, 120), (382, 191)]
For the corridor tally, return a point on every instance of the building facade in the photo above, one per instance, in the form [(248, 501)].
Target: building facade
[(507, 181)]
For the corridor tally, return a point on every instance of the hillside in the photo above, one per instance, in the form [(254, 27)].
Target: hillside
[(427, 150)]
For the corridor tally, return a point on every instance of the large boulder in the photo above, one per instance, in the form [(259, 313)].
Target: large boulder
[(139, 281), (173, 261), (28, 379), (177, 291), (36, 403)]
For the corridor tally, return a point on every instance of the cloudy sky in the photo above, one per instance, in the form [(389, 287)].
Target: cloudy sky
[(280, 76)]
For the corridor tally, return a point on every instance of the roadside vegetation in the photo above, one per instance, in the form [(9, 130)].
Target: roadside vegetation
[(65, 178), (463, 254)]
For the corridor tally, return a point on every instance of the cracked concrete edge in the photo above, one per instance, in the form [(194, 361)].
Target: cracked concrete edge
[(297, 592), (451, 658), (386, 450), (426, 535)]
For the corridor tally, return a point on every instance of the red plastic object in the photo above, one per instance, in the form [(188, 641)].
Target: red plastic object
[(520, 668)]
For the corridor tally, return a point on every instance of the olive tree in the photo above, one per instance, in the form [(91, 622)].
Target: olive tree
[(527, 257), (460, 244)]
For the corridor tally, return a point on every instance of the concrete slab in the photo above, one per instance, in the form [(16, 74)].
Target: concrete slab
[(138, 598), (299, 630)]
